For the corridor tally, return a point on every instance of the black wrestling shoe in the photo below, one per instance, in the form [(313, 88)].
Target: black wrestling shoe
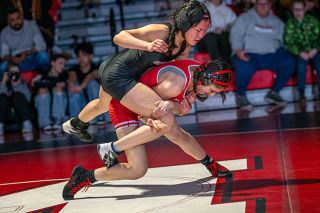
[(108, 157), (275, 98), (218, 170), (80, 133), (77, 181)]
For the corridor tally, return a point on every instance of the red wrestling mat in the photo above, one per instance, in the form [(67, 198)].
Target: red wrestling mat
[(282, 175)]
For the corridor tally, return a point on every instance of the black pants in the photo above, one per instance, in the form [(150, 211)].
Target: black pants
[(20, 104), (217, 45)]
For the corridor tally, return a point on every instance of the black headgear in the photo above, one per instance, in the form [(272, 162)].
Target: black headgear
[(189, 16)]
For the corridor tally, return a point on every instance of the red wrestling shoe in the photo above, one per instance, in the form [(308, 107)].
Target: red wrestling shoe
[(218, 170), (78, 180)]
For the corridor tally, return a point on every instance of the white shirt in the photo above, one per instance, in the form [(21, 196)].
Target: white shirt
[(221, 16)]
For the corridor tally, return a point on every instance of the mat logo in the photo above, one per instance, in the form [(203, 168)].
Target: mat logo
[(228, 190)]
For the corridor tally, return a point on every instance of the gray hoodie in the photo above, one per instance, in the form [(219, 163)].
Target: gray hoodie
[(255, 34)]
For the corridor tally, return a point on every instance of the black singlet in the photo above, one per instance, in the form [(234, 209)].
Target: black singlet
[(119, 73)]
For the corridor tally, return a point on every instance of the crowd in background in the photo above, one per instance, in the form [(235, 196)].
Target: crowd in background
[(283, 36)]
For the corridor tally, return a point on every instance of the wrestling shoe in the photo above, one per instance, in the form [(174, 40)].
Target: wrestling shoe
[(77, 181), (79, 132), (106, 154), (218, 170)]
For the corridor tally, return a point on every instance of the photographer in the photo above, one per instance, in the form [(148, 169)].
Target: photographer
[(15, 93), (51, 100)]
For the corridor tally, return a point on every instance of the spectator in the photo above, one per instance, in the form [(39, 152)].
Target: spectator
[(15, 93), (216, 41), (302, 39), (38, 11), (51, 99), (83, 84), (256, 40), (22, 44)]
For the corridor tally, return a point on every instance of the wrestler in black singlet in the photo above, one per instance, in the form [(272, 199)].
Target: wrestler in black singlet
[(120, 73)]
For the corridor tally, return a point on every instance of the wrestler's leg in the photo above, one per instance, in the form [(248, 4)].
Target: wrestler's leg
[(95, 107), (187, 142), (146, 134), (136, 167), (78, 126), (140, 99)]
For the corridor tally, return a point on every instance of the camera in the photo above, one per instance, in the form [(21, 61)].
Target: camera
[(14, 76)]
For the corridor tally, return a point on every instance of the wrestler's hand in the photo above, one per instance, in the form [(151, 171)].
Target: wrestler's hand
[(157, 124), (162, 108), (184, 106), (158, 45)]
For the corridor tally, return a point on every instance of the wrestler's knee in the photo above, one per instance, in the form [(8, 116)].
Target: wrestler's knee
[(101, 105), (138, 171)]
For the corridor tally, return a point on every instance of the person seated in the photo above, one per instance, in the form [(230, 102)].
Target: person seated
[(256, 40), (22, 44), (14, 93), (39, 12), (83, 85), (51, 99), (216, 41), (303, 44)]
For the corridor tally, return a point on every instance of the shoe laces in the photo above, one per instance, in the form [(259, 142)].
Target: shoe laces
[(216, 169), (86, 184), (212, 167), (221, 168)]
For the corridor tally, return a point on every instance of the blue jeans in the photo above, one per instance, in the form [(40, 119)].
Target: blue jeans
[(302, 68), (93, 93), (58, 113), (280, 61), (78, 100), (39, 60)]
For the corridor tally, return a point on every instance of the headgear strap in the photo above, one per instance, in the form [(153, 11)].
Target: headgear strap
[(187, 18)]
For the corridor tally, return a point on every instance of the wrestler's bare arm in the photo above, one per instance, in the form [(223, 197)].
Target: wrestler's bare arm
[(141, 38)]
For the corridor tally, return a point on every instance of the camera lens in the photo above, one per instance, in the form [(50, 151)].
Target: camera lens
[(14, 76)]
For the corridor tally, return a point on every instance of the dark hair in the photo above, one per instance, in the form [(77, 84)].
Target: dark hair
[(85, 47), (189, 14), (55, 57), (11, 64), (216, 72), (13, 10)]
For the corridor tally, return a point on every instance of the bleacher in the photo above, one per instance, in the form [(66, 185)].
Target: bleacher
[(74, 27)]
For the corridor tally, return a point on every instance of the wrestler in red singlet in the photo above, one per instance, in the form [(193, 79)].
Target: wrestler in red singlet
[(122, 117)]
